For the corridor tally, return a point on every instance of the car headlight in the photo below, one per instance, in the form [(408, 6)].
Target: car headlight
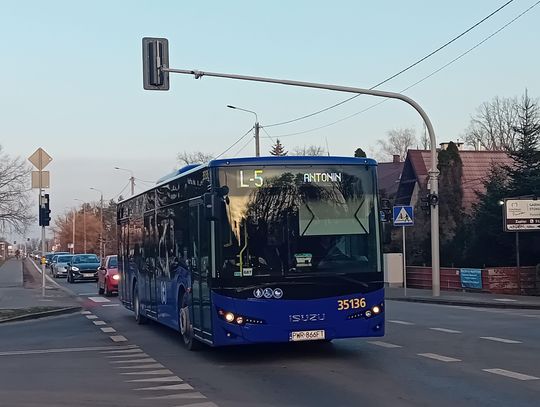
[(116, 277), (74, 269)]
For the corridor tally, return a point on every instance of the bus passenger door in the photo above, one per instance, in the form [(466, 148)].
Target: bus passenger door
[(149, 266), (199, 229)]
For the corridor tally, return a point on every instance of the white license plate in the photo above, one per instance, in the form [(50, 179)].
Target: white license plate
[(89, 275), (297, 336)]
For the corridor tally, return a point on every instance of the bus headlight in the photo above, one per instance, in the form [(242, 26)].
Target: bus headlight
[(229, 317), (376, 309)]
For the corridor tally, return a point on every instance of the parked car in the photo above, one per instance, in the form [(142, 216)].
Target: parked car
[(83, 267), (59, 267), (108, 276)]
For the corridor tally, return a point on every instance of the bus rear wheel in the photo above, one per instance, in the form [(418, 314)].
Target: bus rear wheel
[(139, 318), (186, 327)]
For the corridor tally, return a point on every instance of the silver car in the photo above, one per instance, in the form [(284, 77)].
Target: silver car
[(59, 265)]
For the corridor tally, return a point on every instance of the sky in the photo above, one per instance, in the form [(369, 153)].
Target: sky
[(71, 79)]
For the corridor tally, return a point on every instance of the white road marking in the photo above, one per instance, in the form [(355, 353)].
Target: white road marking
[(492, 338), (111, 305), (126, 350), (145, 360), (151, 366), (149, 372), (98, 323), (183, 386), (91, 316), (504, 299), (204, 404), (448, 331), (439, 357), (85, 312), (395, 321), (99, 299), (513, 375), (128, 356), (92, 293), (118, 338), (61, 350), (192, 395), (384, 344), (108, 330), (157, 379)]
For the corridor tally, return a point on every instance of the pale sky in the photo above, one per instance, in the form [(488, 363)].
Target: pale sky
[(72, 78)]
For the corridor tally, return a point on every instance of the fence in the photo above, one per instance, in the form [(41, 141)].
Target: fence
[(497, 280)]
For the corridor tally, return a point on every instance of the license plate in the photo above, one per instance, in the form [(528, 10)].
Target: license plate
[(297, 336), (88, 275)]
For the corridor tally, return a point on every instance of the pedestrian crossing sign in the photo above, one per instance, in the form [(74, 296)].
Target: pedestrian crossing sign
[(403, 215)]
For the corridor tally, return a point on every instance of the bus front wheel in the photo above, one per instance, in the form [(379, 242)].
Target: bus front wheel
[(186, 327)]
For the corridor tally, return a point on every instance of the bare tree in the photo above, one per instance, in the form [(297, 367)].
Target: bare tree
[(397, 143), (492, 127), (196, 157), (309, 151), (15, 211)]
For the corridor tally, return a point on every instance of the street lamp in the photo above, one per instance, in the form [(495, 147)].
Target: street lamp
[(101, 223), (257, 127), (84, 221), (131, 179)]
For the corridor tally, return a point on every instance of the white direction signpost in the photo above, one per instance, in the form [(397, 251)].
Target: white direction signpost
[(522, 215), (403, 216), (40, 179)]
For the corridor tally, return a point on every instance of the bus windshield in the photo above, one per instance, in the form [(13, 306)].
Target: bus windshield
[(299, 220)]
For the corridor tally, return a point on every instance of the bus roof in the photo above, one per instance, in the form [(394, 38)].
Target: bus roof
[(292, 160)]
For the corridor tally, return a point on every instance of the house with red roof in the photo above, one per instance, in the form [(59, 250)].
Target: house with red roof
[(476, 167)]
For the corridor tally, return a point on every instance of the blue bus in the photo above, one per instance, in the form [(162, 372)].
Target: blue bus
[(257, 250)]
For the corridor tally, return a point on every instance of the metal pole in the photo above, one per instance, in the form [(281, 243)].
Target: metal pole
[(132, 180), (84, 227), (404, 264), (517, 251), (101, 231), (73, 231), (257, 140), (433, 172)]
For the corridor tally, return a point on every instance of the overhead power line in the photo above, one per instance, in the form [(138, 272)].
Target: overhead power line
[(235, 143), (397, 73), (417, 82)]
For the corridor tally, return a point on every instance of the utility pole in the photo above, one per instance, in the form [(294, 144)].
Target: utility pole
[(101, 220), (132, 181), (73, 232), (84, 223), (257, 141)]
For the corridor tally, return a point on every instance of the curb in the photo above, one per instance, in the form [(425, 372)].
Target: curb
[(465, 303), (54, 312), (52, 281)]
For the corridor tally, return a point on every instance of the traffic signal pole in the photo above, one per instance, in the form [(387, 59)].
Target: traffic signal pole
[(41, 191), (433, 172), (156, 72)]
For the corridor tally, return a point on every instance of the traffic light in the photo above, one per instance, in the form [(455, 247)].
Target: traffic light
[(155, 57), (44, 211), (428, 201), (386, 210)]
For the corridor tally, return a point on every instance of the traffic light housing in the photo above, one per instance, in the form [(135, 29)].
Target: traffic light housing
[(386, 210), (428, 201), (44, 211), (155, 57)]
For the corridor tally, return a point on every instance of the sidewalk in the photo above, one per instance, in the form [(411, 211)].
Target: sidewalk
[(471, 299), (20, 294)]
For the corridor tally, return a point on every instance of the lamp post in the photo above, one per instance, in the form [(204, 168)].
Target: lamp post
[(101, 223), (84, 222), (257, 127), (131, 179)]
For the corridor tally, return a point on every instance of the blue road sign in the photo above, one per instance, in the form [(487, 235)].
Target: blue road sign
[(403, 215)]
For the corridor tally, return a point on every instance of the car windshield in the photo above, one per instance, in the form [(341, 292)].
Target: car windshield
[(87, 258), (113, 262), (298, 221), (64, 259)]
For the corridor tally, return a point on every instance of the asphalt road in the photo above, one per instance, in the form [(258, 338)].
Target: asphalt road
[(431, 355)]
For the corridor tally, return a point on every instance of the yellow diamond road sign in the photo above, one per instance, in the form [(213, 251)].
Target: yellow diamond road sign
[(40, 159)]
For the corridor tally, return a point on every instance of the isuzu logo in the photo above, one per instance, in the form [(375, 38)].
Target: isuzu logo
[(307, 317)]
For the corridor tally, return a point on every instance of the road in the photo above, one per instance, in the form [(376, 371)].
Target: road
[(431, 355)]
